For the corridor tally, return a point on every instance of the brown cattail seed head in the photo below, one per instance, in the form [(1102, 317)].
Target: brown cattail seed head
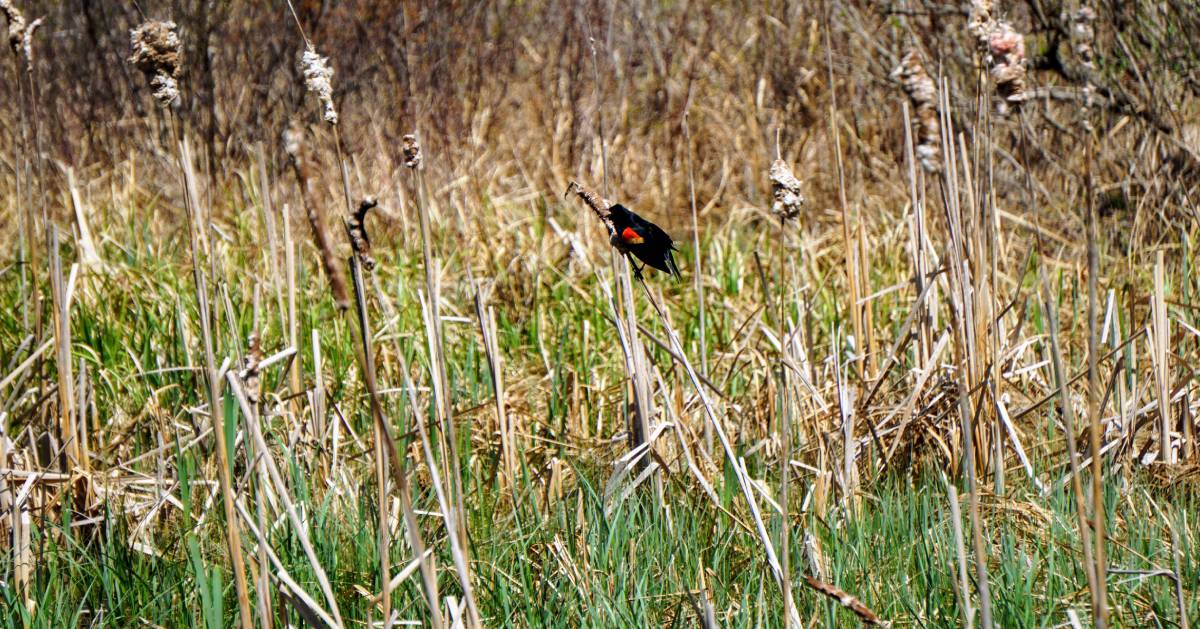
[(786, 188), (318, 78), (156, 53), (250, 371), (1006, 50), (356, 227), (412, 151), (923, 95), (1083, 36)]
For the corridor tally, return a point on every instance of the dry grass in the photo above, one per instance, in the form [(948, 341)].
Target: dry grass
[(924, 243)]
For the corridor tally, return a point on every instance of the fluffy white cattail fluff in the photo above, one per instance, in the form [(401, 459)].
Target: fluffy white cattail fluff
[(923, 95), (786, 188), (318, 78), (156, 53), (27, 39), (20, 32)]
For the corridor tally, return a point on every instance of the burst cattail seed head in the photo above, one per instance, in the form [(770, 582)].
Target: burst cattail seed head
[(412, 151), (16, 25), (156, 53), (1083, 37), (318, 78), (1006, 50), (917, 84), (979, 22), (786, 189), (20, 32)]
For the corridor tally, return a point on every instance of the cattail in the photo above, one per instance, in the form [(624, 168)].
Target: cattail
[(156, 53), (786, 188), (923, 95), (356, 228), (412, 151), (20, 33), (846, 600), (979, 22), (598, 204), (1006, 50), (250, 371), (318, 77), (16, 25), (1083, 36)]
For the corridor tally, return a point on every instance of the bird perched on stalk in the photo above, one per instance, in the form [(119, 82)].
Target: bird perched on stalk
[(632, 234)]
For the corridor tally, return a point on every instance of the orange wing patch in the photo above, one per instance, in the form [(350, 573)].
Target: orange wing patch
[(631, 237)]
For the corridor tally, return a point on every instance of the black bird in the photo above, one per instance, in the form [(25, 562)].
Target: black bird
[(632, 234)]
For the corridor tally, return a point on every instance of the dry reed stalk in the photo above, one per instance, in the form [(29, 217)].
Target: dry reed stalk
[(89, 258), (448, 437), (232, 534), (1160, 353), (20, 34), (156, 53), (965, 321), (745, 484), (625, 320), (305, 605), (849, 258), (238, 387), (1176, 564), (263, 582), (486, 315), (368, 373), (1068, 414), (789, 201), (61, 309), (698, 269), (300, 158), (1083, 35), (449, 512), (960, 553), (272, 232)]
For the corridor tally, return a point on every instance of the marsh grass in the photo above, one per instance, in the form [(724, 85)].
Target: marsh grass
[(498, 426)]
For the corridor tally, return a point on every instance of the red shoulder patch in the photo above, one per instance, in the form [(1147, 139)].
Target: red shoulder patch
[(631, 237)]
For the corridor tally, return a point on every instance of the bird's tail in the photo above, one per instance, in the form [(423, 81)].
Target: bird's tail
[(672, 267)]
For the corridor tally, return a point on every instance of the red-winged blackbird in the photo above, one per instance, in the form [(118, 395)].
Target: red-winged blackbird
[(635, 235)]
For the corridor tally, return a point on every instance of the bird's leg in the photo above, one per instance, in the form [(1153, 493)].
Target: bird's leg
[(637, 271)]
